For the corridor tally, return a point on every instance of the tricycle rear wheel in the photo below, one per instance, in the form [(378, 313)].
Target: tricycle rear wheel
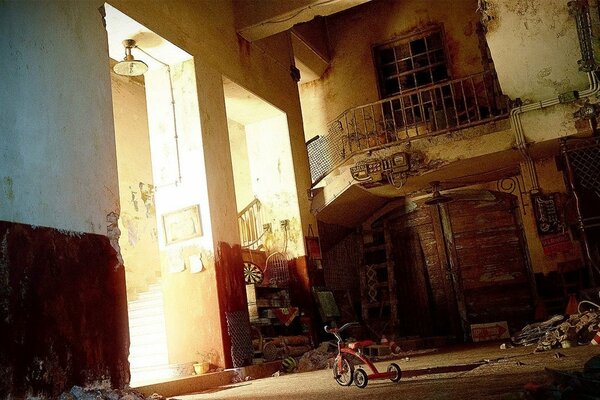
[(393, 367), (361, 379)]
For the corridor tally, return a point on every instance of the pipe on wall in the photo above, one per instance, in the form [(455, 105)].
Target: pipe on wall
[(579, 10)]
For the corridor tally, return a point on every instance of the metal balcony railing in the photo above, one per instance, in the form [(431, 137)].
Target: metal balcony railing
[(250, 222), (411, 115)]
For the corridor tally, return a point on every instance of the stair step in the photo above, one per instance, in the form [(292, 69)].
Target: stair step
[(146, 351), (149, 296), (146, 322), (138, 341), (146, 375), (146, 303), (147, 311), (148, 337), (148, 360)]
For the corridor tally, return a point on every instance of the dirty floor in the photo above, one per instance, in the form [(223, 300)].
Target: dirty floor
[(473, 372)]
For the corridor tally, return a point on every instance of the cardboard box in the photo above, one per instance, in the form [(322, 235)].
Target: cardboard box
[(377, 350), (489, 331)]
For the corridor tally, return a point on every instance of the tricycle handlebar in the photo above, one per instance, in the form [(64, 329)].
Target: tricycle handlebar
[(338, 330)]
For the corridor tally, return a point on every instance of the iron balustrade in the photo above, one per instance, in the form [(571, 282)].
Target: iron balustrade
[(411, 115), (250, 222)]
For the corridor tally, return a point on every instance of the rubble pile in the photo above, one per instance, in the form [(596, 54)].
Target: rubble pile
[(569, 384), (560, 331), (79, 393), (315, 359)]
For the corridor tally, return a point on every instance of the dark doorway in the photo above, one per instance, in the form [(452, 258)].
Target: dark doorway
[(455, 264)]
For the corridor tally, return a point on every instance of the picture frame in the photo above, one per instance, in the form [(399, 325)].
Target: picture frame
[(182, 225), (313, 248)]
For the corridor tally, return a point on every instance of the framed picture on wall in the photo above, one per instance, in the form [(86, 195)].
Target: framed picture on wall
[(182, 224), (313, 247)]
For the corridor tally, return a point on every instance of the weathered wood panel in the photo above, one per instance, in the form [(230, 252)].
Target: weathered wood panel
[(493, 273), (424, 299), (457, 264)]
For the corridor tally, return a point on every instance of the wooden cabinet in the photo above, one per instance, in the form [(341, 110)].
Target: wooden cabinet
[(275, 323)]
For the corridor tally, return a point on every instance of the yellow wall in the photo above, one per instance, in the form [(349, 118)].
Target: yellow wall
[(551, 181), (241, 167), (535, 48), (205, 29), (351, 79), (272, 180), (139, 244)]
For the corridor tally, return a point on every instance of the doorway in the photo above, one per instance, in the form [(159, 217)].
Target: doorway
[(457, 264)]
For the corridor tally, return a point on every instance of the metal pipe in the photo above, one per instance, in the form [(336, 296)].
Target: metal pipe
[(521, 140), (175, 135), (579, 9)]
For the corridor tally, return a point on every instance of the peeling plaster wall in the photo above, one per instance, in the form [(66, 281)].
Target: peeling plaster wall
[(535, 48), (138, 242), (351, 79), (64, 314), (241, 167), (190, 298), (273, 182), (549, 123), (57, 147), (205, 29)]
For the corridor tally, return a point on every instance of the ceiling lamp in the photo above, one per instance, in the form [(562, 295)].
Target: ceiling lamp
[(130, 66), (437, 197)]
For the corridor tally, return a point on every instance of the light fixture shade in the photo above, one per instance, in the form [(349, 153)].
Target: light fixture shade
[(436, 196), (130, 67)]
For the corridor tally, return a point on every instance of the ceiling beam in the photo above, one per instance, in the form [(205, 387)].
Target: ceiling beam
[(254, 21)]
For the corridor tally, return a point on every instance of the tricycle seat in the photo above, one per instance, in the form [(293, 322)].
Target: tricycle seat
[(360, 344)]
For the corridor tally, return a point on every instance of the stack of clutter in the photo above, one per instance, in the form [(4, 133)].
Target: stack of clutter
[(561, 331), (286, 346)]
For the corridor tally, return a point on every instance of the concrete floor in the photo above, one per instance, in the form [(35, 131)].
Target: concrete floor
[(500, 375)]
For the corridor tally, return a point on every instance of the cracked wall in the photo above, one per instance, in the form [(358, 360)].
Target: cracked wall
[(137, 222), (57, 141), (535, 48)]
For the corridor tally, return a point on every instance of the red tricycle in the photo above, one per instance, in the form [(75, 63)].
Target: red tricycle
[(343, 368)]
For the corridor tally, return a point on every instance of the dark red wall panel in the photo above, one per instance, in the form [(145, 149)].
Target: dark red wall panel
[(63, 311)]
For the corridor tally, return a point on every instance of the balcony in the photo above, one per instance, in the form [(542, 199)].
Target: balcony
[(408, 116)]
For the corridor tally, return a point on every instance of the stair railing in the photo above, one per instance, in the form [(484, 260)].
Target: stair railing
[(250, 222)]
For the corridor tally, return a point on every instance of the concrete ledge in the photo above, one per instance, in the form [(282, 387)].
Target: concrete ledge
[(198, 383)]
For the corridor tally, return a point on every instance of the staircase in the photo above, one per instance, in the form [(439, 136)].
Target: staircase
[(148, 355)]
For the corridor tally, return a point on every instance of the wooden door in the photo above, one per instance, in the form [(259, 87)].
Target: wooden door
[(426, 304), (486, 254)]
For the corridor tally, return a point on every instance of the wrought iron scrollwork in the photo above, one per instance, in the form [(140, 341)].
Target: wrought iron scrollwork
[(511, 185)]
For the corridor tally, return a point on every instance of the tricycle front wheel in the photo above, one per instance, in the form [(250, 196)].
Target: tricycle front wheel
[(343, 372)]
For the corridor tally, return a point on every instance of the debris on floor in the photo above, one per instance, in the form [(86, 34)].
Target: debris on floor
[(315, 359), (569, 384), (80, 393), (560, 331)]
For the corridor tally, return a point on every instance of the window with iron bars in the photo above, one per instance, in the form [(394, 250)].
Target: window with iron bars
[(407, 64), (411, 63)]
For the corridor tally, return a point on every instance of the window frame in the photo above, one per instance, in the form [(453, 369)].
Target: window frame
[(406, 40)]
